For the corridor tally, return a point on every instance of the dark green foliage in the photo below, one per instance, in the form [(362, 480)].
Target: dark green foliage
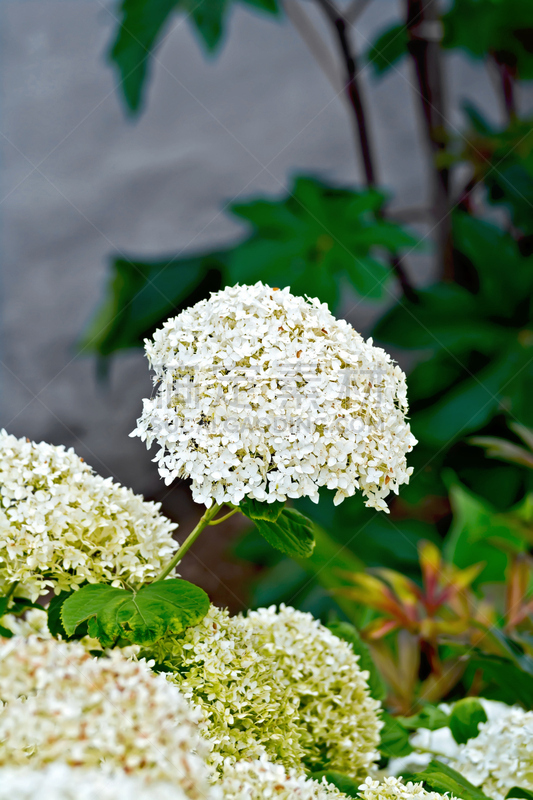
[(142, 294), (142, 25), (465, 719), (284, 528), (316, 237), (394, 738), (501, 28), (516, 791), (388, 49), (442, 778)]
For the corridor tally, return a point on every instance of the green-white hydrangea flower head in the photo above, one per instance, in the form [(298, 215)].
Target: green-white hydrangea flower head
[(395, 789), (280, 685), (63, 705), (264, 394), (256, 780), (501, 755), (61, 524), (60, 782)]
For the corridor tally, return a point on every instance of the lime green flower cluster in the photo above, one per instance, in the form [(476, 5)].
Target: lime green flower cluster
[(276, 684)]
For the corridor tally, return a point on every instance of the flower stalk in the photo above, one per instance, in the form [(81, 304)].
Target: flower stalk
[(191, 538)]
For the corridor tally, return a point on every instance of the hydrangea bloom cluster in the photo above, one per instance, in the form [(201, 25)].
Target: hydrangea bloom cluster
[(501, 756), (34, 621), (61, 524), (395, 789), (265, 394), (279, 684), (60, 782), (62, 705), (256, 780)]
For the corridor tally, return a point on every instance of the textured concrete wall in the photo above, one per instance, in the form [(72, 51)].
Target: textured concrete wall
[(80, 182)]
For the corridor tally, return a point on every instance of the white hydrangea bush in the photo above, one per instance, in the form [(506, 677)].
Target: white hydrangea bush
[(501, 755), (63, 705), (61, 524), (265, 394), (256, 780), (391, 788), (61, 782), (278, 684)]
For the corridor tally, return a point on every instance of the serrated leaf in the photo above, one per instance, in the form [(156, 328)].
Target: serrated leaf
[(442, 778), (349, 633), (54, 622), (253, 509), (142, 618), (465, 719), (292, 533), (344, 783)]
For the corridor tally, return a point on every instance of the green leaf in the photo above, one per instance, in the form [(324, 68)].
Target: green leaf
[(394, 737), (505, 681), (55, 624), (442, 778), (255, 510), (431, 717), (316, 236), (492, 27), (516, 791), (291, 532), (465, 719), (388, 49), (142, 24), (142, 618), (140, 295), (6, 633), (344, 783), (349, 633), (475, 525)]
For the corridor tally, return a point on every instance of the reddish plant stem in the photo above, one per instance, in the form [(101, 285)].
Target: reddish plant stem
[(424, 29), (355, 97)]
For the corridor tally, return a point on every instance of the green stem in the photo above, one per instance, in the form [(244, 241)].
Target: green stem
[(191, 538), (224, 518)]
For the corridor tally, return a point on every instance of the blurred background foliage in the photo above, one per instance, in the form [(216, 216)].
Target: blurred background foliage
[(441, 590)]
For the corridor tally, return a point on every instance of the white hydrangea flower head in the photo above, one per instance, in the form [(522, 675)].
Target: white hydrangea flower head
[(395, 789), (60, 782), (63, 705), (34, 621), (256, 780), (61, 524), (280, 685), (501, 755), (265, 394)]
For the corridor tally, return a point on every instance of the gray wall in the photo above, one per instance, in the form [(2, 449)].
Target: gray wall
[(81, 182)]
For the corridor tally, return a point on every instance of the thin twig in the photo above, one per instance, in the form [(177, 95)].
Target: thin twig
[(425, 33), (507, 90), (354, 94)]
